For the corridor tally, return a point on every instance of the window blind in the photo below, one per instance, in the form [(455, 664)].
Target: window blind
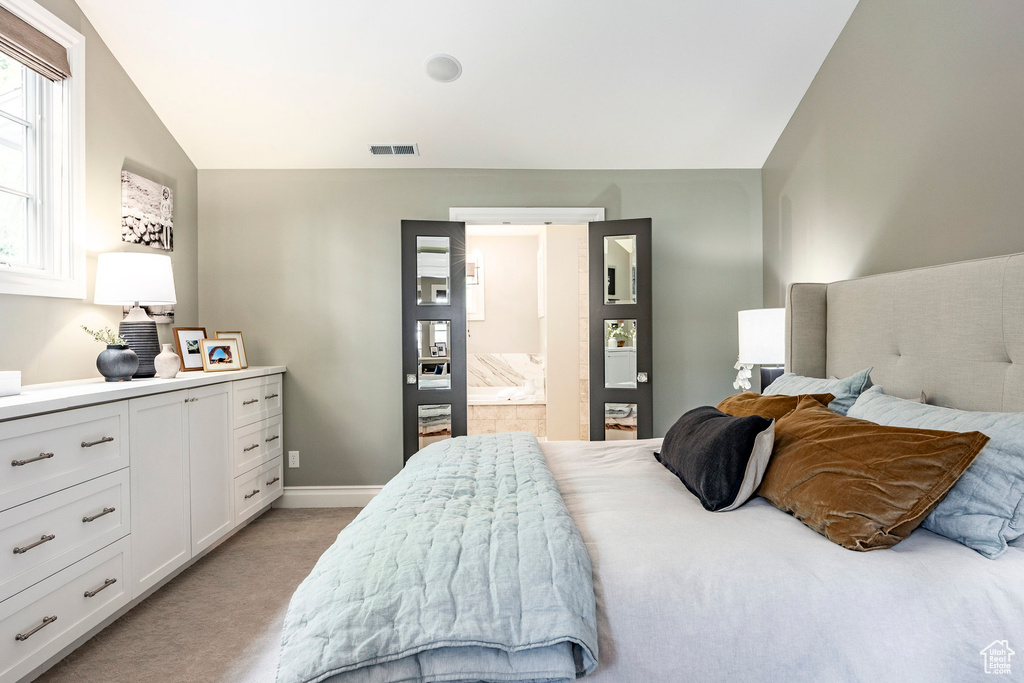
[(28, 45)]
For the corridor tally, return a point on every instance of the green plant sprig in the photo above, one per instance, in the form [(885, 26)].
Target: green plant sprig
[(106, 336)]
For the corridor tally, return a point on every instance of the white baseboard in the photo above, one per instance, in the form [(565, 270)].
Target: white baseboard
[(326, 496)]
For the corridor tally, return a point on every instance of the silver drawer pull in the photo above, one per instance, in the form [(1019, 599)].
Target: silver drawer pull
[(250, 495), (46, 622), (41, 456), (42, 540), (250, 448), (274, 481), (250, 401), (90, 444), (106, 584), (272, 396), (275, 437), (106, 511)]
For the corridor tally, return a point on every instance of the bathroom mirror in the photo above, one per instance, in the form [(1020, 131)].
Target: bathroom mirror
[(620, 421), (434, 423), (620, 354), (432, 270), (620, 269), (434, 354)]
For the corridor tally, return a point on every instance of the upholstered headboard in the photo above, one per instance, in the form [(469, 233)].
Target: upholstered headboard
[(955, 332)]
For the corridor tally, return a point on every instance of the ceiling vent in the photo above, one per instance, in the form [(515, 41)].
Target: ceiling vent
[(412, 150)]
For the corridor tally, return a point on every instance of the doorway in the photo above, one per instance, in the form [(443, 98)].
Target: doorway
[(527, 330)]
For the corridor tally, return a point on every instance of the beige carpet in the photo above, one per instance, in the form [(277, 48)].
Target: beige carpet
[(220, 620)]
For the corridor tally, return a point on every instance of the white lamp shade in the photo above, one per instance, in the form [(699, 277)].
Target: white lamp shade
[(763, 336), (124, 277)]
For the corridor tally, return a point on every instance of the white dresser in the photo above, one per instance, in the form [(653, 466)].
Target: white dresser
[(107, 491)]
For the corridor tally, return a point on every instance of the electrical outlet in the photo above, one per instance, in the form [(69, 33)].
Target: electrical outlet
[(293, 458)]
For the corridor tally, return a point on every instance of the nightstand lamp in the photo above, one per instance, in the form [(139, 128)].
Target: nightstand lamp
[(127, 278), (762, 342)]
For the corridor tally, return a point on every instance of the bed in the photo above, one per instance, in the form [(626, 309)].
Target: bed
[(681, 594)]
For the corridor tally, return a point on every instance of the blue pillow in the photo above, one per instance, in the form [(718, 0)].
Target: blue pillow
[(985, 508), (846, 390)]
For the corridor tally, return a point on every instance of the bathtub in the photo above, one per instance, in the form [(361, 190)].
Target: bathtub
[(488, 396)]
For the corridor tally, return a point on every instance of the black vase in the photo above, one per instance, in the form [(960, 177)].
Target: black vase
[(117, 363)]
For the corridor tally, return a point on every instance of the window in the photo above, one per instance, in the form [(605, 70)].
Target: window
[(41, 157)]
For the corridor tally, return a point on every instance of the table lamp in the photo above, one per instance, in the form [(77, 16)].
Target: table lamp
[(762, 342), (127, 278)]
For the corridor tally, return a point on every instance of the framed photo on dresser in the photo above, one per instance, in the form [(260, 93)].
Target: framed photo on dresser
[(237, 336), (187, 342), (219, 355)]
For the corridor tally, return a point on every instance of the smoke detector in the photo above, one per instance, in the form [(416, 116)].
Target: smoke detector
[(443, 68), (408, 150)]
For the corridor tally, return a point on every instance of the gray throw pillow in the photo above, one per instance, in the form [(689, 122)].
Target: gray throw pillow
[(985, 508), (846, 390), (721, 459)]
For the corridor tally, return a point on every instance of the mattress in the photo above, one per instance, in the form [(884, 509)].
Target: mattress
[(684, 594)]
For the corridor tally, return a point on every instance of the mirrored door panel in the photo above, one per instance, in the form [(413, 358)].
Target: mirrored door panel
[(620, 269), (433, 332), (433, 423), (433, 270), (433, 361), (620, 422), (621, 353)]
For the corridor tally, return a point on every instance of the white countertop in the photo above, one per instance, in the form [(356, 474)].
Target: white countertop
[(45, 398)]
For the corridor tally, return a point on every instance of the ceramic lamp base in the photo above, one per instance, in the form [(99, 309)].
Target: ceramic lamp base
[(142, 338)]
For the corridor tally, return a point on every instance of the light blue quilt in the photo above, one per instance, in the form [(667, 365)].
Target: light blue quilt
[(466, 567)]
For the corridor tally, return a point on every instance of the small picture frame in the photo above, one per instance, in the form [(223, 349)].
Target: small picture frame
[(433, 351), (237, 336), (187, 344), (220, 355), (442, 349)]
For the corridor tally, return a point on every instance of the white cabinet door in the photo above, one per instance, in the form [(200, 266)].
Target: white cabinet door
[(159, 443), (211, 464)]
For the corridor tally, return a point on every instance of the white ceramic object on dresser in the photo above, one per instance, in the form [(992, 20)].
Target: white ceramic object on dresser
[(86, 519), (10, 383), (167, 363)]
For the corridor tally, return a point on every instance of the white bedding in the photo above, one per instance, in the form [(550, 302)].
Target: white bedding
[(689, 595)]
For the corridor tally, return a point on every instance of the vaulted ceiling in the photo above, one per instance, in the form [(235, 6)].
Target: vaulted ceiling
[(546, 83)]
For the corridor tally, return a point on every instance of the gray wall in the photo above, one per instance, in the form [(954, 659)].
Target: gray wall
[(40, 336), (908, 148), (306, 264)]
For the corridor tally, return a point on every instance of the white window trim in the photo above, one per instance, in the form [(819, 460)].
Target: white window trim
[(66, 279)]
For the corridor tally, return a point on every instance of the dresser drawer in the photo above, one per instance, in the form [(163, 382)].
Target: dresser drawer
[(40, 455), (257, 443), (75, 522), (80, 597), (256, 489), (256, 399)]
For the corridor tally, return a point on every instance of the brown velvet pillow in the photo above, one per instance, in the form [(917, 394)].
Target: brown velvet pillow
[(772, 407), (862, 485)]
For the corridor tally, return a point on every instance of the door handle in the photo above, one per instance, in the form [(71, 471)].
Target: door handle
[(641, 377)]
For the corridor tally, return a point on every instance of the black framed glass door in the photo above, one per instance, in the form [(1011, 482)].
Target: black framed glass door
[(433, 332), (621, 351)]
